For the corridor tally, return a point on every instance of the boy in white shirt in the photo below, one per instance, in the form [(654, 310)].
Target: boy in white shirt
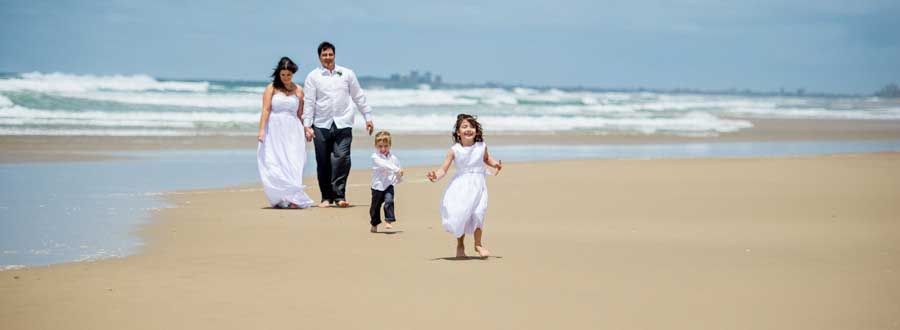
[(386, 172)]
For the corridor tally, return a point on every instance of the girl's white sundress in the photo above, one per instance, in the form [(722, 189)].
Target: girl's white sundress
[(283, 153), (465, 199)]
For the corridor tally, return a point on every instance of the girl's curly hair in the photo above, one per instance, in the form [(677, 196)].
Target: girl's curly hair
[(472, 121)]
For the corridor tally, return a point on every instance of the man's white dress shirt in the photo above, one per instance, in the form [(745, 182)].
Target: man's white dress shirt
[(328, 95)]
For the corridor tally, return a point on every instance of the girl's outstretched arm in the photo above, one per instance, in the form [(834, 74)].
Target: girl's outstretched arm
[(497, 165), (433, 176)]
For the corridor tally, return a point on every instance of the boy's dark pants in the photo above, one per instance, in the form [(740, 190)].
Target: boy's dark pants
[(379, 197)]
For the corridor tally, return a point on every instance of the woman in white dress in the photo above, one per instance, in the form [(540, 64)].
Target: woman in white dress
[(282, 144), (465, 199)]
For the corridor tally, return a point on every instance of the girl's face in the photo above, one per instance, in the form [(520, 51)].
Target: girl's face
[(286, 76), (466, 132)]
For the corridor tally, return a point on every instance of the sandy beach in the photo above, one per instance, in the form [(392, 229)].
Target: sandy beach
[(740, 243)]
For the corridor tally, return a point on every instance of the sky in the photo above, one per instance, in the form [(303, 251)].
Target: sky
[(827, 46)]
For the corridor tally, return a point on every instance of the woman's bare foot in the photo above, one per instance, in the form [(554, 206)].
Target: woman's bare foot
[(343, 203), (374, 229), (461, 252), (387, 225), (293, 206), (484, 253), (325, 204)]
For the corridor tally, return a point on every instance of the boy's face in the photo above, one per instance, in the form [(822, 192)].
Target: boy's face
[(383, 147)]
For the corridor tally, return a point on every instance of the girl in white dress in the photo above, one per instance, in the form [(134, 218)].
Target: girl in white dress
[(282, 144), (464, 203)]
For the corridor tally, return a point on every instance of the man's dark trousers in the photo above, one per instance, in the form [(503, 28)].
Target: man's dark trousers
[(333, 161), (379, 197)]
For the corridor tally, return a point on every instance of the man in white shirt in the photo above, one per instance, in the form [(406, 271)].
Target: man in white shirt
[(330, 93)]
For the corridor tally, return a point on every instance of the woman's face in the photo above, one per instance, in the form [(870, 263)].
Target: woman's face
[(286, 76)]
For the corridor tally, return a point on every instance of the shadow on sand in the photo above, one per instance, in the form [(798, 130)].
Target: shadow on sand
[(388, 232), (467, 258)]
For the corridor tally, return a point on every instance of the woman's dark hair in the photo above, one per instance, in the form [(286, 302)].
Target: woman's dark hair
[(326, 45), (472, 121), (284, 64)]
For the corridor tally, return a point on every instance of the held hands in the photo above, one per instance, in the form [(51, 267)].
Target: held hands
[(432, 176), (370, 126), (310, 134)]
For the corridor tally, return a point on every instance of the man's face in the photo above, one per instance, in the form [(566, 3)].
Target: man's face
[(326, 57)]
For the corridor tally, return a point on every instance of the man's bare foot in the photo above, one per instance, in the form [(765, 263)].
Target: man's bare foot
[(374, 229), (325, 204), (461, 252), (343, 203), (387, 225), (484, 253)]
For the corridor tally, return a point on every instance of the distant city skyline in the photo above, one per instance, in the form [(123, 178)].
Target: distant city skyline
[(825, 46)]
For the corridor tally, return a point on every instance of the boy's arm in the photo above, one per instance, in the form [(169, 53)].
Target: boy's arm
[(399, 173), (383, 163)]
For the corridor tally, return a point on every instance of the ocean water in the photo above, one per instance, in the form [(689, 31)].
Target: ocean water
[(137, 105)]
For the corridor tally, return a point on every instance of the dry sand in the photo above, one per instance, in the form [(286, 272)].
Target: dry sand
[(764, 243)]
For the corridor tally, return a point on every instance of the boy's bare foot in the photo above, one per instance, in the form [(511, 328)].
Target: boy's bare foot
[(461, 252), (387, 225), (484, 253), (343, 203), (325, 204), (374, 229)]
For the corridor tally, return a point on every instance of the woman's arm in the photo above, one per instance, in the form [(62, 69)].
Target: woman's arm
[(434, 176), (491, 162), (264, 117), (299, 93)]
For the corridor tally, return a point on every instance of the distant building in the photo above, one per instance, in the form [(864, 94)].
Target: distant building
[(889, 91), (413, 80)]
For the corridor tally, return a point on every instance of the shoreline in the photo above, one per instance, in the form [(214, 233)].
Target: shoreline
[(35, 149), (748, 243)]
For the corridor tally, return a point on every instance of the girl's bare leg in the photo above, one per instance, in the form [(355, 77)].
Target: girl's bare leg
[(460, 247), (484, 253)]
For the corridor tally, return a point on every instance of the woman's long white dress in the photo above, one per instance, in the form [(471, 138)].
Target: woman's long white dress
[(282, 154), (465, 199)]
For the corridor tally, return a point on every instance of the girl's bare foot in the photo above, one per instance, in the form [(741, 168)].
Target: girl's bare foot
[(325, 204), (484, 253), (387, 225), (461, 252)]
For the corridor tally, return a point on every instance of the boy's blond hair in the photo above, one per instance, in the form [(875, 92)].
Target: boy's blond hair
[(383, 136)]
